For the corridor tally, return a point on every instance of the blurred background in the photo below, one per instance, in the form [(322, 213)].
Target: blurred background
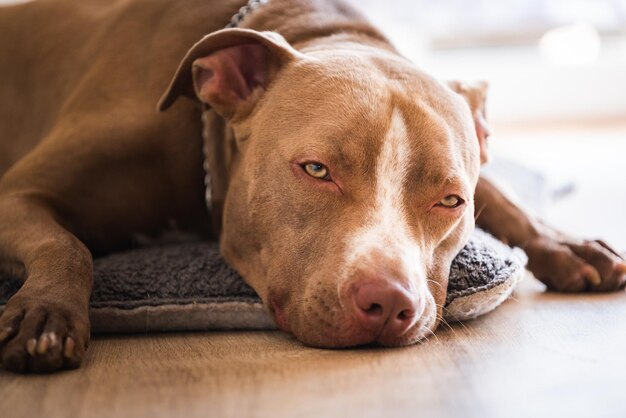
[(557, 98), (557, 101), (546, 59)]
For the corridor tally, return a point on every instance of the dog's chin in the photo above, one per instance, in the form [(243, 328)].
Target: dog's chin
[(360, 338), (316, 331)]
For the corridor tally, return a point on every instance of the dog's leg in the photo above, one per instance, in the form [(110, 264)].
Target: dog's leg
[(563, 263), (45, 326), (88, 188)]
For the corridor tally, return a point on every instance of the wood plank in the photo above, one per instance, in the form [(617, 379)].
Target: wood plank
[(539, 354)]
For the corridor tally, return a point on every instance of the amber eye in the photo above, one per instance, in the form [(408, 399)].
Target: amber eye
[(452, 201), (317, 170)]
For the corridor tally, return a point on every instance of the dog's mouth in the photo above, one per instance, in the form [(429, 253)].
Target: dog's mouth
[(330, 326), (278, 311)]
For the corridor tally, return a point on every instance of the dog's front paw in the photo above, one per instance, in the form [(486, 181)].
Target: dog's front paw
[(42, 336), (576, 266)]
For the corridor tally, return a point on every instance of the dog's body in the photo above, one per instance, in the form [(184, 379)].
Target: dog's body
[(86, 162)]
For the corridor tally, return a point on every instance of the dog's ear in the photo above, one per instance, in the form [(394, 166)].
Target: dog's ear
[(229, 69), (476, 96)]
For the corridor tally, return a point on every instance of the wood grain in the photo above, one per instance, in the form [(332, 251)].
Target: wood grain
[(539, 355)]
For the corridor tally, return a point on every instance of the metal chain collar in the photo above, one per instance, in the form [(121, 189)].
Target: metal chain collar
[(244, 11), (234, 22)]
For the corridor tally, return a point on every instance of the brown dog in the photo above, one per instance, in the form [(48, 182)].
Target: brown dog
[(339, 169)]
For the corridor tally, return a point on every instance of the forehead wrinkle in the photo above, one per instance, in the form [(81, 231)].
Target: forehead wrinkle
[(344, 94), (437, 152), (349, 139), (453, 117)]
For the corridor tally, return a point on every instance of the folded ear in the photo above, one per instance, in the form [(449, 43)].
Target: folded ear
[(228, 70), (476, 96)]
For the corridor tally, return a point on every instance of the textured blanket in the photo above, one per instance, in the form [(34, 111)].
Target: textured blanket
[(189, 287)]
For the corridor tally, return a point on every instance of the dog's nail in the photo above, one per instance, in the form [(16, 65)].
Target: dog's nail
[(43, 344), (54, 341), (31, 346), (4, 334), (68, 350), (592, 275)]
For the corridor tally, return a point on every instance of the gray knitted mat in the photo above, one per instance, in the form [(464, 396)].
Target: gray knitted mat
[(189, 287)]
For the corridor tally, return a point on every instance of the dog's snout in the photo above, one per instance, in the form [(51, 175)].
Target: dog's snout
[(383, 307)]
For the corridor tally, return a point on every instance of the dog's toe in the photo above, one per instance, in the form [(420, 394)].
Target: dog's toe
[(43, 339), (15, 352), (47, 355), (608, 263)]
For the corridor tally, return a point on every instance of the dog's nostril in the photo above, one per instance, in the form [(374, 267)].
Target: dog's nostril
[(375, 310), (383, 307), (406, 315)]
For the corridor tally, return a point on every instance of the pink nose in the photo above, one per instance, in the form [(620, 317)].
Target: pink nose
[(384, 308)]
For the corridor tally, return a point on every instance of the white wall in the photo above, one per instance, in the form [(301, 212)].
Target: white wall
[(525, 88), (525, 85)]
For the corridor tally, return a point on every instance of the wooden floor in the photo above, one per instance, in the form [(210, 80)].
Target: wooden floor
[(538, 355)]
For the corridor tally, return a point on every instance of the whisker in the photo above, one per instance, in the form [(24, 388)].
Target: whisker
[(444, 322), (437, 283), (432, 334), (479, 211), (465, 328), (513, 298)]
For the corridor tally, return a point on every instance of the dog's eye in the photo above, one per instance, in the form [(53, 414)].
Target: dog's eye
[(451, 202), (317, 170)]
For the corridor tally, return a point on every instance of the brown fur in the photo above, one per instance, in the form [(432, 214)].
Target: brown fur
[(86, 162)]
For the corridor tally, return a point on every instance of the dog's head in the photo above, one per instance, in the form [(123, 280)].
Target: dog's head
[(352, 189)]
